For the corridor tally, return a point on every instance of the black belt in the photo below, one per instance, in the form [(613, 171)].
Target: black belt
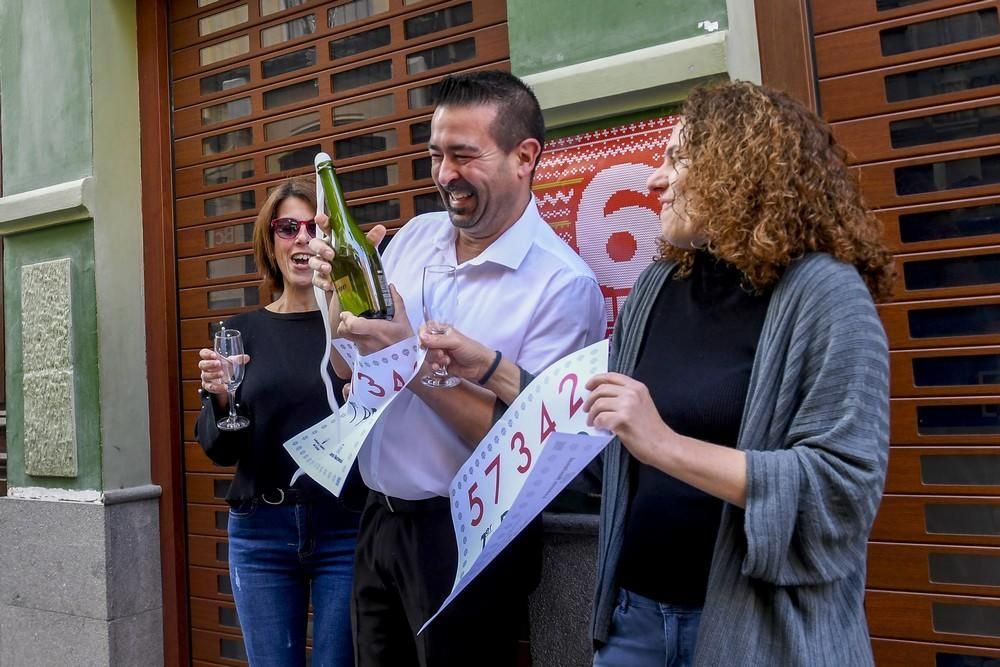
[(398, 505), (287, 497)]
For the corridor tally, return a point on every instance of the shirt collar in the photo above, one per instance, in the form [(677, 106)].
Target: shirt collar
[(509, 249)]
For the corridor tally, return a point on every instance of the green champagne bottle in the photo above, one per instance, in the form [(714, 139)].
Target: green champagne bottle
[(357, 269)]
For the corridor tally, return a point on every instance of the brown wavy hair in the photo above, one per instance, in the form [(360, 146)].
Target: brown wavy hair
[(301, 187), (767, 183)]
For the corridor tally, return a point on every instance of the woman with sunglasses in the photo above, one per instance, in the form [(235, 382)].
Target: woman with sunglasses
[(287, 544)]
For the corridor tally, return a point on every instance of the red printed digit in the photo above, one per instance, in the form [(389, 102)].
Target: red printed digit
[(548, 426), (397, 381), (476, 502), (372, 383), (495, 463), (574, 402), (522, 449)]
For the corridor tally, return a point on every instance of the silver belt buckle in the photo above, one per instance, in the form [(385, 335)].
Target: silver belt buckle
[(281, 497)]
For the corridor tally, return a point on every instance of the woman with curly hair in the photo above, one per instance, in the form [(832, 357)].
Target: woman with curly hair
[(749, 400), (749, 397)]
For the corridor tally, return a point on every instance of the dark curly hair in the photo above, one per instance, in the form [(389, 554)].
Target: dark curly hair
[(767, 183)]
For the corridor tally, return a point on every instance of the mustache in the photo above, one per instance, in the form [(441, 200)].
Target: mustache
[(459, 186)]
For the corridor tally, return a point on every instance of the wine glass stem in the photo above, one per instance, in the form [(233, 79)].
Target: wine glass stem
[(232, 405)]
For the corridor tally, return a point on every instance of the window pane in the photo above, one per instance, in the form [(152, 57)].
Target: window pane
[(362, 76), (359, 43), (885, 5), (223, 20), (290, 127), (354, 112), (296, 92), (379, 211), (421, 168), (943, 80), (221, 523), (229, 141), (972, 370), (223, 584), (966, 619), (967, 419), (420, 133), (268, 7), (423, 96), (960, 321), (206, 3), (224, 50), (232, 649), (230, 235), (373, 177), (950, 175), (948, 30), (226, 173), (966, 470), (968, 569), (364, 144), (241, 201), (233, 78), (945, 127), (440, 56), (227, 616), (428, 203), (231, 266), (226, 111), (219, 488), (963, 659), (277, 34), (355, 11), (952, 272), (232, 298), (437, 21), (949, 224), (293, 159), (289, 62), (222, 555)]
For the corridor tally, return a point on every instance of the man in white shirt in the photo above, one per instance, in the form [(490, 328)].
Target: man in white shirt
[(523, 292)]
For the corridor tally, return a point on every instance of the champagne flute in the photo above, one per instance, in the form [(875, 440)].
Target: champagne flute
[(229, 347), (440, 292)]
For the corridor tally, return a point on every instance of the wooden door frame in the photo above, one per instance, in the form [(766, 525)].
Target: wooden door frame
[(162, 346), (787, 55)]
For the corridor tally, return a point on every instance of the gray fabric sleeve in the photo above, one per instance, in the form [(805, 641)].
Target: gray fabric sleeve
[(812, 497)]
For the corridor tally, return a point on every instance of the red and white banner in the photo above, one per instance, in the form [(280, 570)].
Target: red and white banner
[(591, 189)]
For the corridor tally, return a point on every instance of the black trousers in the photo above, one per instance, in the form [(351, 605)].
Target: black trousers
[(405, 567)]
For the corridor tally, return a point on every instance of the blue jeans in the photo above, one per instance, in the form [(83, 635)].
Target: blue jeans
[(647, 633), (279, 555)]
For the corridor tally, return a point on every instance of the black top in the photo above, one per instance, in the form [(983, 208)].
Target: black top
[(282, 393), (696, 358)]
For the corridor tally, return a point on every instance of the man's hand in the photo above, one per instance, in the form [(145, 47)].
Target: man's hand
[(464, 357), (372, 335), (323, 255)]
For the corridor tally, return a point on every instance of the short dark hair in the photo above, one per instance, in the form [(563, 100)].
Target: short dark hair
[(519, 116)]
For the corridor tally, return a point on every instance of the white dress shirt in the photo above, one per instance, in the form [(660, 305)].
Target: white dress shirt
[(528, 295)]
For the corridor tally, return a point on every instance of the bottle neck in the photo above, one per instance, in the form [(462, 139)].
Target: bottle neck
[(335, 202)]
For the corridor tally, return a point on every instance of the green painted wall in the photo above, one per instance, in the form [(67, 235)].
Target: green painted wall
[(554, 33), (45, 81), (76, 242)]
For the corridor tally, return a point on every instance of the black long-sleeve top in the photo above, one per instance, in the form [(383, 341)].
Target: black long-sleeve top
[(696, 357), (282, 394)]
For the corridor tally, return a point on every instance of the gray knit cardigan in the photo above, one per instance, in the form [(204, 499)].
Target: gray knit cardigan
[(786, 585)]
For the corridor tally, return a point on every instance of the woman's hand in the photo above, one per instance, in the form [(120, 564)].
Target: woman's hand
[(212, 376), (464, 357), (320, 262), (619, 404)]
